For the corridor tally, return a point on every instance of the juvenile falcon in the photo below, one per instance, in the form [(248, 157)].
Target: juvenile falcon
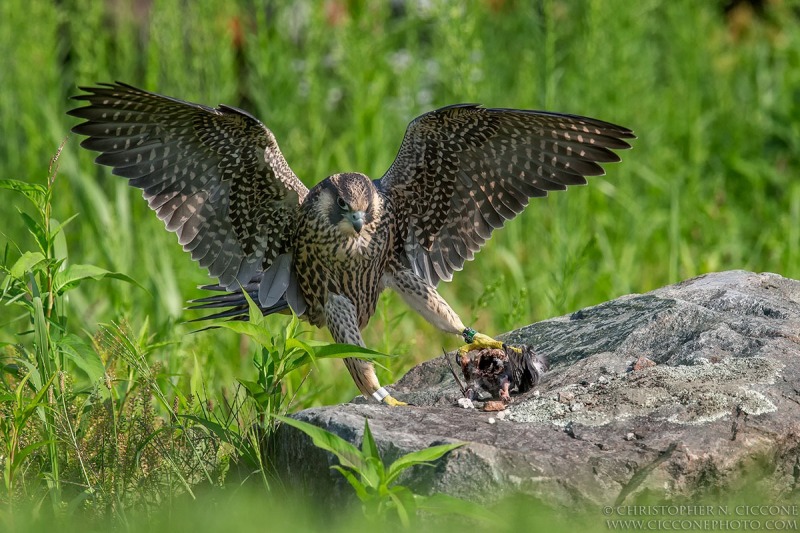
[(217, 178)]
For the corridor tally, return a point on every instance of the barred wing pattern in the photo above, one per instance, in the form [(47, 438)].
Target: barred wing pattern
[(216, 177), (462, 171)]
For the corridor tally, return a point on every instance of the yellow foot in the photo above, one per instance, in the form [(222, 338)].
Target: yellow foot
[(392, 402), (383, 396), (478, 341)]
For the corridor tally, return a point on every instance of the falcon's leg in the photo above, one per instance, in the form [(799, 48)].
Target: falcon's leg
[(342, 321), (423, 298)]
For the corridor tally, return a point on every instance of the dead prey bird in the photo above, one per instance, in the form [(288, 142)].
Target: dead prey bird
[(498, 371), (217, 179)]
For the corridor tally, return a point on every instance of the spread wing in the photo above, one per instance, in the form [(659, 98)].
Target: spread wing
[(216, 177), (462, 171)]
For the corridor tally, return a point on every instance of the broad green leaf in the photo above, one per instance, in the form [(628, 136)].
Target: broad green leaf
[(255, 391), (405, 504), (258, 333), (83, 356), (347, 454), (440, 504), (41, 335), (311, 350), (37, 402), (293, 343), (373, 472), (324, 350), (424, 456), (296, 354), (75, 274), (60, 249), (255, 316), (32, 375), (368, 446), (57, 227), (26, 263), (369, 449), (290, 331), (36, 229), (34, 192), (359, 487), (20, 456), (250, 386), (15, 293)]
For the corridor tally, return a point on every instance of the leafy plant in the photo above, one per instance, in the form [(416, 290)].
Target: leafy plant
[(376, 485), (42, 277), (284, 354), (85, 431), (37, 282), (13, 425), (277, 358)]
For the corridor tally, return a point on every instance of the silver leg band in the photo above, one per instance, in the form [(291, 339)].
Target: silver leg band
[(380, 394)]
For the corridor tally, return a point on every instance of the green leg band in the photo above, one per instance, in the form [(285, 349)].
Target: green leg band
[(469, 335)]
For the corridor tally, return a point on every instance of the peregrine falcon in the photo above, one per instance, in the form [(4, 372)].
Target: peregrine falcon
[(217, 179)]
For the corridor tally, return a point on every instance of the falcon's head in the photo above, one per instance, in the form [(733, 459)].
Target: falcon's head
[(350, 202)]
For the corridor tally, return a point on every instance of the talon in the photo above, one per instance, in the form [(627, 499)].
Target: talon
[(485, 341), (389, 400), (513, 348)]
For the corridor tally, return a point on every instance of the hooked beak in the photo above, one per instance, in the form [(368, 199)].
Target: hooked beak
[(357, 220)]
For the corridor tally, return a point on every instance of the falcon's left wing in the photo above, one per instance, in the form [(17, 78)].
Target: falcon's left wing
[(462, 171)]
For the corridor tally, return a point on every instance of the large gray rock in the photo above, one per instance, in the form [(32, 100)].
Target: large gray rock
[(720, 406)]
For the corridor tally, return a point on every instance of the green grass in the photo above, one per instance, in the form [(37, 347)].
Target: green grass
[(710, 185)]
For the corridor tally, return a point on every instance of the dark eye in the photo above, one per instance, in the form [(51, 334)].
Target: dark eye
[(340, 201)]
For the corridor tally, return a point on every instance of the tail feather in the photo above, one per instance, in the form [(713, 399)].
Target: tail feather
[(235, 302), (218, 300)]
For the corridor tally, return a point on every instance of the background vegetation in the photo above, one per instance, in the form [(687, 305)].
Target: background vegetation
[(710, 185)]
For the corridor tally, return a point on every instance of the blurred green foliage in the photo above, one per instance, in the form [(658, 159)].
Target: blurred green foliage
[(710, 185)]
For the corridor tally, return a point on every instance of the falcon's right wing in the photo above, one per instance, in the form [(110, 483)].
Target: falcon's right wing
[(216, 177)]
